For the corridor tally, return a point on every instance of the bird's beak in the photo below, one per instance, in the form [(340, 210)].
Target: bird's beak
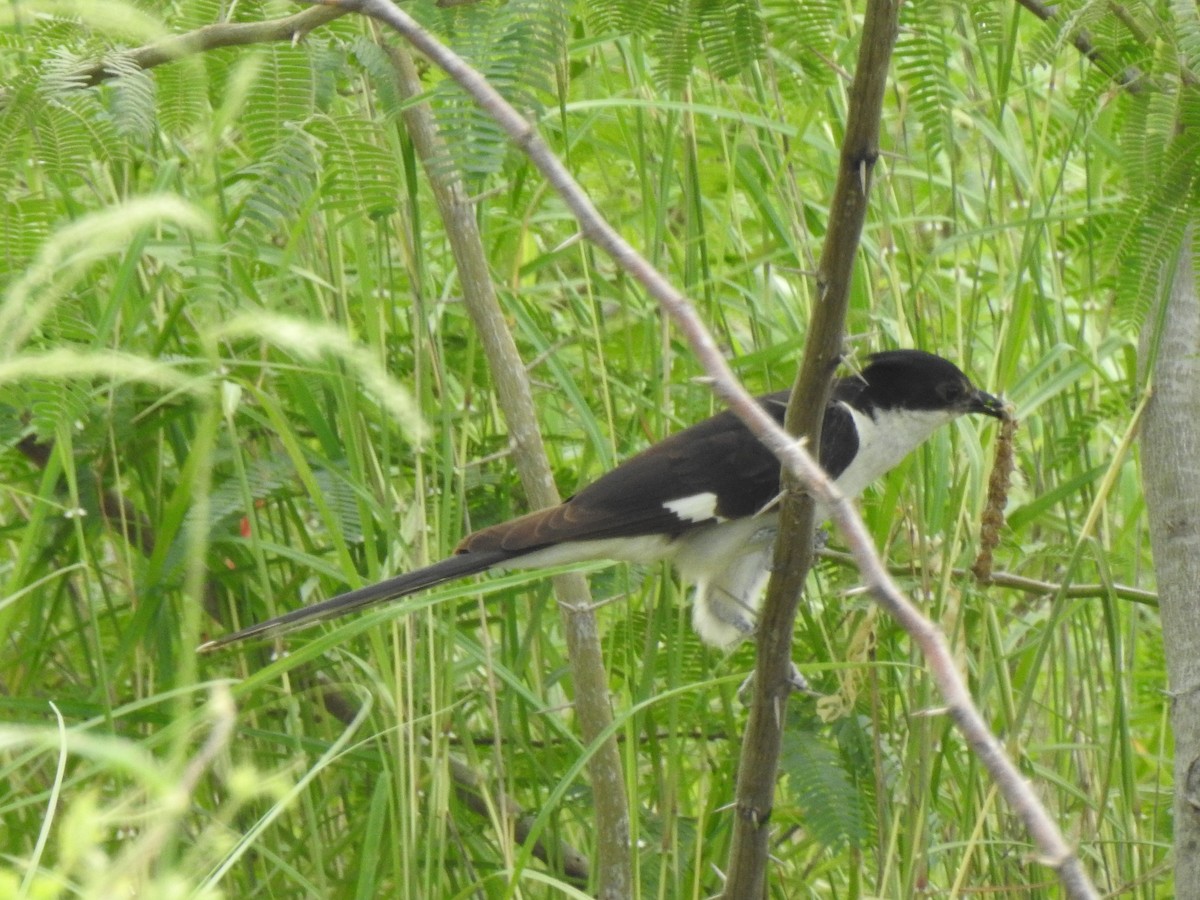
[(988, 405)]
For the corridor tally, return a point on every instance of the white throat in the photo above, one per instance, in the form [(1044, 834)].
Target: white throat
[(885, 439)]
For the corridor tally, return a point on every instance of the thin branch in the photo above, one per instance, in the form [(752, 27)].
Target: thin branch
[(1131, 78), (292, 29), (1050, 842), (1014, 582), (222, 34)]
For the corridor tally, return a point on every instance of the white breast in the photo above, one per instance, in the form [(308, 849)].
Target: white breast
[(883, 441)]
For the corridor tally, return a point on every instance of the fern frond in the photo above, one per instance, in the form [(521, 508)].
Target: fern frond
[(61, 72), (280, 186), (517, 49), (359, 176), (263, 479), (133, 109), (182, 100), (24, 225), (676, 47), (16, 115), (923, 66), (1114, 409), (1149, 240), (342, 501), (630, 16), (731, 35), (55, 403), (807, 31), (833, 810), (1160, 146), (283, 96), (988, 31), (1186, 19), (191, 14), (382, 74), (1139, 156), (70, 137), (205, 272)]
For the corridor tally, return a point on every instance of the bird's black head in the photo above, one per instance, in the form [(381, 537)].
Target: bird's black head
[(919, 381)]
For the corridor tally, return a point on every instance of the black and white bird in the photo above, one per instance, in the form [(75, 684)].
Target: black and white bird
[(702, 499)]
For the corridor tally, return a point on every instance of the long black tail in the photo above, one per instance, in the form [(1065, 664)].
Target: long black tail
[(450, 569)]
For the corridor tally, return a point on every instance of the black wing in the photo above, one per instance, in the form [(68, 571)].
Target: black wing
[(717, 457), (839, 436)]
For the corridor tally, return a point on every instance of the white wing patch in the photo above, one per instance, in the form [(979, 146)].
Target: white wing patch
[(696, 508)]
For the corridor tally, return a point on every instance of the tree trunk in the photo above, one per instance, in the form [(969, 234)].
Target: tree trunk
[(1171, 475)]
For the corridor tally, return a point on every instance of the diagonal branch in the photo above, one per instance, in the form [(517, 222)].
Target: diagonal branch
[(222, 34), (1131, 77)]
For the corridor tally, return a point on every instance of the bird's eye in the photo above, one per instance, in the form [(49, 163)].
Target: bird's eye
[(952, 391)]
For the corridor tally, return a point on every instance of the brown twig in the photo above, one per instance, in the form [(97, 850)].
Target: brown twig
[(1019, 582), (222, 34), (1131, 78)]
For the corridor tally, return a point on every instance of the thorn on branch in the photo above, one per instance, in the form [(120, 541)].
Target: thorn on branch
[(752, 815)]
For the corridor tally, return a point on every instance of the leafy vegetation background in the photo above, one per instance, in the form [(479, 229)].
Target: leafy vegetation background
[(236, 377)]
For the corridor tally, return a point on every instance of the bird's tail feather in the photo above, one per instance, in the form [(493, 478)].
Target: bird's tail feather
[(454, 567)]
